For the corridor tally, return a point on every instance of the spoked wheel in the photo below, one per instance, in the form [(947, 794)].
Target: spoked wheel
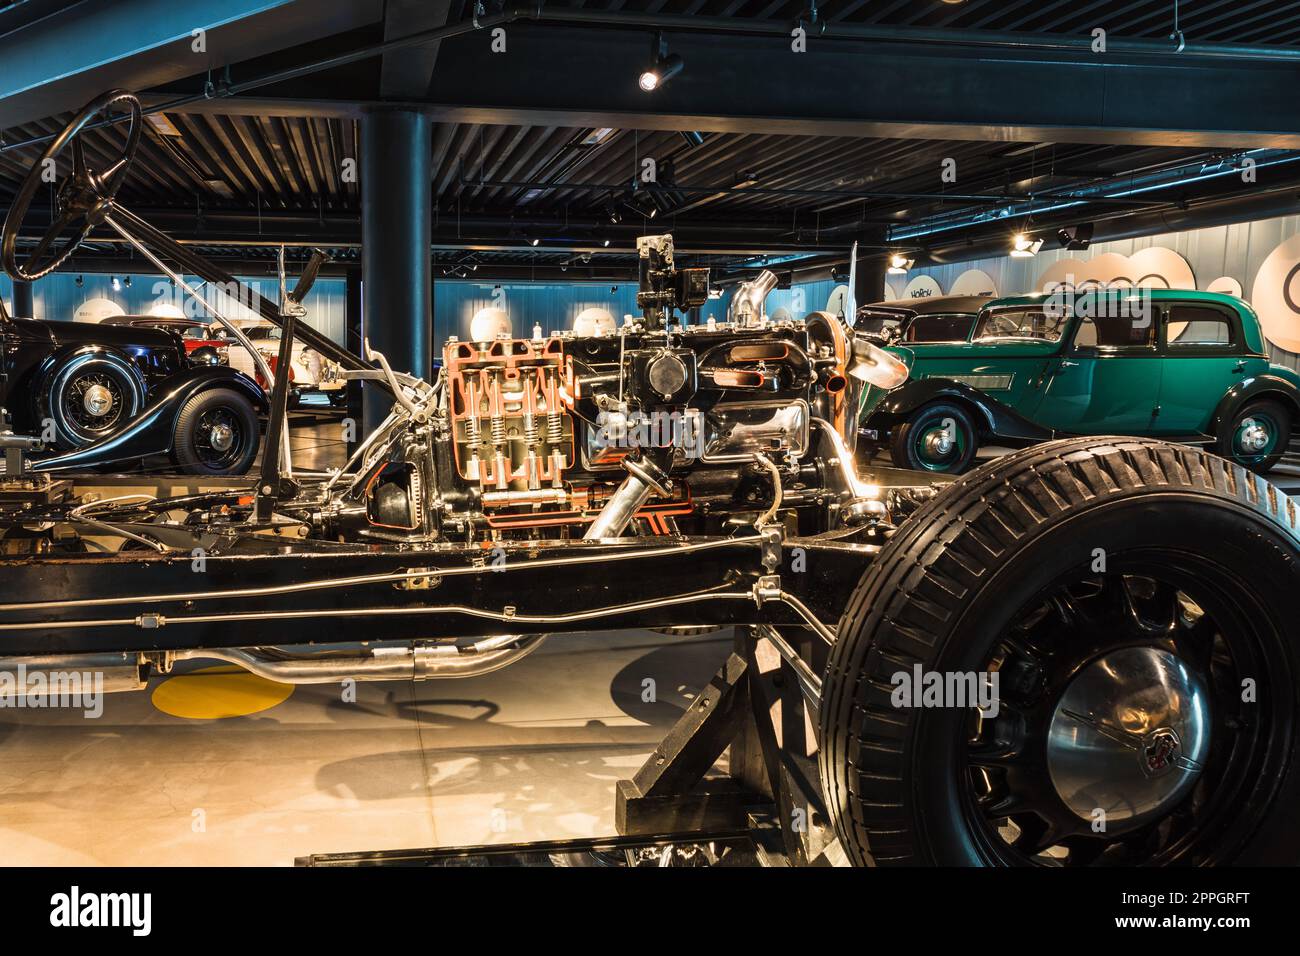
[(216, 434), (94, 402), (82, 199), (90, 396), (1125, 602), (1122, 735)]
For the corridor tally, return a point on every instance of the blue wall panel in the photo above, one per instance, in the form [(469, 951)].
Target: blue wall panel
[(57, 297)]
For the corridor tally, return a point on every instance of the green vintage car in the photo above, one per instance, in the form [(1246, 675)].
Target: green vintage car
[(1182, 365)]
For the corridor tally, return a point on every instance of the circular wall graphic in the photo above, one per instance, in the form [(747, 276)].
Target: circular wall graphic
[(97, 310), (1161, 268), (974, 282), (1276, 295), (837, 300), (1061, 276), (922, 287), (594, 321), (488, 323), (1226, 285)]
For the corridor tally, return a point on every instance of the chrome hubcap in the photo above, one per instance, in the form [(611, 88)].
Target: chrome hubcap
[(939, 444), (221, 437), (1254, 435), (98, 401), (1128, 737)]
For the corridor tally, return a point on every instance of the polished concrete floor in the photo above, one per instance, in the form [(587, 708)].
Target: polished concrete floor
[(530, 752)]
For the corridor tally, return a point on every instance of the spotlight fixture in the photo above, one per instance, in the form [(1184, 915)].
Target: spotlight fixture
[(127, 282), (692, 137), (1075, 237), (899, 264), (536, 242), (1023, 247), (606, 243), (117, 284), (663, 66), (612, 214), (81, 280)]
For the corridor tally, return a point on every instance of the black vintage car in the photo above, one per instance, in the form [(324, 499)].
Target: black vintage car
[(110, 395)]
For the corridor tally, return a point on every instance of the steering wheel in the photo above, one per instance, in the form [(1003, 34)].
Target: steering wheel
[(82, 199)]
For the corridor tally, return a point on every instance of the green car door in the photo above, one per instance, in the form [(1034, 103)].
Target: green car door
[(1108, 378), (1006, 357), (1206, 354)]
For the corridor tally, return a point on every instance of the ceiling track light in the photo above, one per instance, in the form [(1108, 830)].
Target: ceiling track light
[(1024, 247), (663, 66), (899, 264)]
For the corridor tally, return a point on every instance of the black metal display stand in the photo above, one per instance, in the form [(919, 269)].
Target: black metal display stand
[(680, 808)]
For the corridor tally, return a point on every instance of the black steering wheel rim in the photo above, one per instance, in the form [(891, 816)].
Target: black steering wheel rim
[(85, 195)]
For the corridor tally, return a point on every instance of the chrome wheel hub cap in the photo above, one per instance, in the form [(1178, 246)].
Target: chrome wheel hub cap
[(98, 401), (221, 437), (1254, 435), (939, 444), (1128, 737)]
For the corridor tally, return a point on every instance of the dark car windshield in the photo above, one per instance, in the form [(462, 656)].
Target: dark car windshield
[(871, 321), (940, 327), (1027, 322)]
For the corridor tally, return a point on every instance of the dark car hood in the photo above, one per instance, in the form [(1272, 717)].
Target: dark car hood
[(89, 333)]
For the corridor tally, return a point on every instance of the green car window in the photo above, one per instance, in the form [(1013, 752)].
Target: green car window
[(1021, 323), (940, 327), (1119, 331), (1197, 327)]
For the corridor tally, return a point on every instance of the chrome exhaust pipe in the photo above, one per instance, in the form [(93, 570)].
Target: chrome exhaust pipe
[(72, 674), (405, 662)]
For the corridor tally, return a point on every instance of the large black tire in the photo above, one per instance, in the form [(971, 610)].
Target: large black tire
[(207, 421), (939, 437), (89, 396), (949, 592), (1271, 421)]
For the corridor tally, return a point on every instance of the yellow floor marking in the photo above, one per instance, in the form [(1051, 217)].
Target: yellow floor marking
[(212, 693)]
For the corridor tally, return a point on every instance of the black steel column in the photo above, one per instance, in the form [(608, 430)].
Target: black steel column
[(23, 305), (396, 222), (352, 327), (870, 285)]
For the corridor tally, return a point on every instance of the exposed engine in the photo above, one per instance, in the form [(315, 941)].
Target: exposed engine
[(656, 427)]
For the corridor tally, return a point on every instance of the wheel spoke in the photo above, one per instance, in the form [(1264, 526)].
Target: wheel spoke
[(52, 233), (79, 159)]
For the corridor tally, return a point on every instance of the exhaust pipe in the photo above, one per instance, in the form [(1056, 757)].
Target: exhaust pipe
[(57, 675), (406, 662), (115, 673), (747, 306)]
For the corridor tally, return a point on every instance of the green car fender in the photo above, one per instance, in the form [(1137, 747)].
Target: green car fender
[(1279, 383), (990, 415)]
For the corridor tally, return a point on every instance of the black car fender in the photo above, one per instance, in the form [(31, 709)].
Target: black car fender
[(151, 433), (991, 416), (1257, 386)]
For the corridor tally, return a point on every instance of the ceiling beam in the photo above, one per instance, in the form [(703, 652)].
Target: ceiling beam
[(408, 72), (746, 84), (59, 63)]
